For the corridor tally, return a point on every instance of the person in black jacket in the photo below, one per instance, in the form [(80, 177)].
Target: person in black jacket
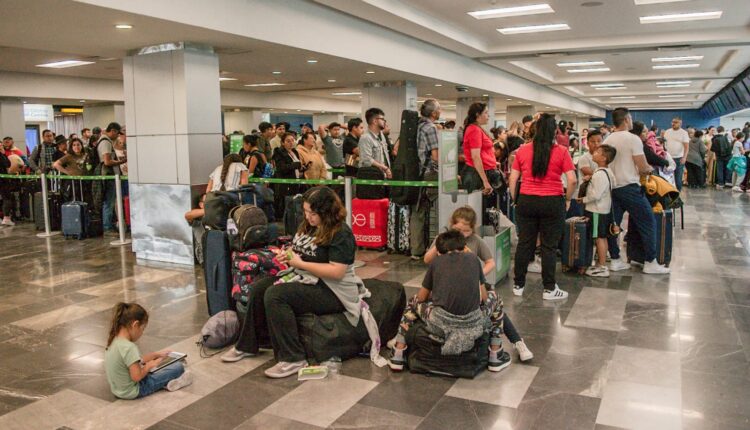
[(288, 166)]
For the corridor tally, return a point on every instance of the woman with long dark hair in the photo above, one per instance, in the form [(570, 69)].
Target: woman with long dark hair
[(288, 166), (479, 151), (229, 175), (542, 203)]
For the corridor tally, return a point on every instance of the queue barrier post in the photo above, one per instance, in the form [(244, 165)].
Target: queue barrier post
[(348, 195), (45, 210), (120, 214)]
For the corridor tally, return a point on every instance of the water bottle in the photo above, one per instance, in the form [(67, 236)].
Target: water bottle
[(334, 365)]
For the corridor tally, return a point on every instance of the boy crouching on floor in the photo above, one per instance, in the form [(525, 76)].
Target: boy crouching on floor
[(454, 305)]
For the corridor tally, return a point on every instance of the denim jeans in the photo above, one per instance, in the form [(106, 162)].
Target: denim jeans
[(679, 172), (631, 199), (723, 175), (108, 205), (154, 382)]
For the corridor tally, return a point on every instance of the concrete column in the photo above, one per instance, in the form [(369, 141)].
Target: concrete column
[(173, 116), (392, 98), (516, 113), (244, 120), (582, 122), (327, 118), (462, 109), (101, 115), (12, 122)]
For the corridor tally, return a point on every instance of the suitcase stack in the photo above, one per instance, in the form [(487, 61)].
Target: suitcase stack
[(398, 228), (578, 246), (218, 272), (370, 223)]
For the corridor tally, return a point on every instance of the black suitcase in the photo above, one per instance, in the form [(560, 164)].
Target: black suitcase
[(406, 165), (398, 228), (54, 205), (326, 336), (293, 214), (75, 217), (217, 271), (664, 229), (577, 245), (424, 355), (371, 192)]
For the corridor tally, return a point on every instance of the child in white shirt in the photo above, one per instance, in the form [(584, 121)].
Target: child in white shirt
[(738, 154), (598, 201)]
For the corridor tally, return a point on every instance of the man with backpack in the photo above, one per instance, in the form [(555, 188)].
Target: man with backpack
[(427, 147), (721, 146), (109, 165)]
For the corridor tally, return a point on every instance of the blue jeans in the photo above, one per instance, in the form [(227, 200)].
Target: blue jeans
[(154, 382), (723, 175), (679, 171), (631, 199), (108, 205)]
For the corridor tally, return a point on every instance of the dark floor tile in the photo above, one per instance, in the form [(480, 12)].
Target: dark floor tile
[(741, 316), (408, 393), (97, 387), (584, 374), (453, 413), (557, 410), (729, 360), (711, 329), (718, 398), (169, 425), (649, 325), (363, 368), (368, 417)]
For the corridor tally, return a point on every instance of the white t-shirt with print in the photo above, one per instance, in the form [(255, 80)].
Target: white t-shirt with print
[(627, 145), (232, 181)]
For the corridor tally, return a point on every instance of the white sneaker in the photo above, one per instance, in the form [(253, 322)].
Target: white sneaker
[(556, 294), (282, 369), (517, 291), (235, 354), (654, 268), (719, 187), (524, 353), (183, 381), (617, 264), (636, 264), (598, 271), (8, 222), (737, 189), (535, 266)]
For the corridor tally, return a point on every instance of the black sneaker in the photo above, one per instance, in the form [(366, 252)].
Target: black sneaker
[(397, 363), (498, 363)]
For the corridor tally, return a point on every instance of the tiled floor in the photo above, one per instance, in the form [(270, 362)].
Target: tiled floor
[(631, 351)]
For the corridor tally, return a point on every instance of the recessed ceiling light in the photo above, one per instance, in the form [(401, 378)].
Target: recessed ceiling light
[(680, 17), (227, 79), (642, 2), (547, 107), (322, 111), (674, 83), (485, 95), (269, 84), (610, 88), (673, 86), (520, 103), (669, 96), (581, 63), (299, 110), (683, 58), (65, 64), (123, 26), (589, 70), (676, 66), (369, 72), (347, 93), (429, 94), (622, 97), (81, 101), (331, 80), (276, 72), (270, 109), (533, 28), (438, 85), (286, 112), (503, 12), (312, 61), (25, 102), (607, 85)]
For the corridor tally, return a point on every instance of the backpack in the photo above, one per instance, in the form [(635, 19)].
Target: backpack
[(406, 165), (424, 355), (263, 169), (250, 266), (721, 146), (248, 235), (216, 209), (220, 330)]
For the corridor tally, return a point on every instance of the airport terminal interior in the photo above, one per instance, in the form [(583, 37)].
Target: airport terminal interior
[(346, 134)]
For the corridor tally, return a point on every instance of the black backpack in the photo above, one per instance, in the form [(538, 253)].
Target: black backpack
[(424, 355), (216, 207), (406, 165), (721, 146)]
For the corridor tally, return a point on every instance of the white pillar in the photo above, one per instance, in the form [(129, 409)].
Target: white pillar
[(327, 118), (12, 122), (462, 109), (392, 98), (102, 115), (243, 120), (173, 116), (516, 113)]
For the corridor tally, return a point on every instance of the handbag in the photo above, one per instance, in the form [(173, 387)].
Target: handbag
[(352, 160)]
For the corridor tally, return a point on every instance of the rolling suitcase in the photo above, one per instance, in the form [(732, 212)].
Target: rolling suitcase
[(664, 229), (75, 217), (398, 228), (370, 222), (578, 246), (293, 214), (217, 271), (406, 165), (55, 202)]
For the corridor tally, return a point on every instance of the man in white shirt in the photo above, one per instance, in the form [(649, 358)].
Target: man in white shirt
[(627, 196), (677, 145)]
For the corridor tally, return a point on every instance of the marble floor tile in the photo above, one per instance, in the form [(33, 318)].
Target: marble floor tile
[(598, 308), (336, 394), (453, 413), (640, 406), (504, 388), (368, 271), (267, 421), (62, 278), (408, 393), (368, 417), (51, 412), (645, 366), (716, 398), (649, 325), (553, 410), (52, 318), (415, 281)]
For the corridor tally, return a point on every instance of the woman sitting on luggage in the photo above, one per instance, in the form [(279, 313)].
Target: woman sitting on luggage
[(454, 305), (464, 220), (229, 176), (322, 255), (288, 166)]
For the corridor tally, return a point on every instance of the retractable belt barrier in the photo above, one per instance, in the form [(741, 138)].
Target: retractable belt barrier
[(45, 199)]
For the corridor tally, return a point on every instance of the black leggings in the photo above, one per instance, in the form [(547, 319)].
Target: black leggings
[(254, 331), (542, 216)]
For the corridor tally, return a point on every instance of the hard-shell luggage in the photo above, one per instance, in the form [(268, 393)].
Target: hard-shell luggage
[(577, 245), (664, 230), (371, 192), (406, 165), (126, 209), (424, 355), (217, 271), (258, 195), (326, 336), (75, 217), (293, 214), (54, 205), (398, 228), (370, 222)]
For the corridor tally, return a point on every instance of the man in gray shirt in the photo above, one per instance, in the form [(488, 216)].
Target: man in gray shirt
[(110, 165), (373, 150), (333, 144)]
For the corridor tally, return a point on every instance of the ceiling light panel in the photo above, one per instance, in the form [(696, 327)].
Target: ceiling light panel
[(533, 29), (269, 84), (65, 64), (670, 96), (504, 12), (676, 66), (673, 86), (581, 64), (227, 79), (348, 93), (622, 97), (589, 70), (683, 58), (674, 83), (680, 17), (642, 2), (607, 85)]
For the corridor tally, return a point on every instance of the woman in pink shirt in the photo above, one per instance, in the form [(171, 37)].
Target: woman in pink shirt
[(542, 203)]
